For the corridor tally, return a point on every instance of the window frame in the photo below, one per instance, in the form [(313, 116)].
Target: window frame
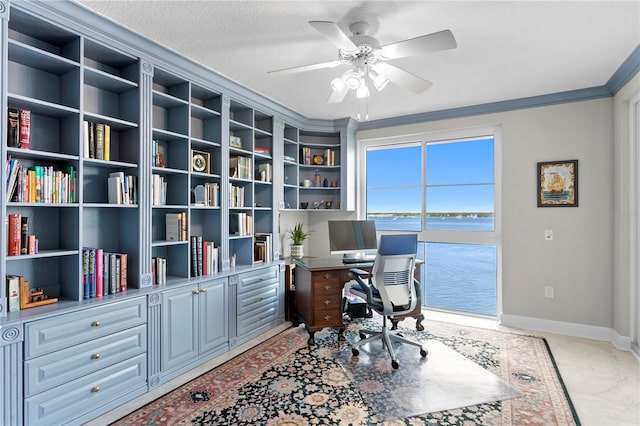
[(442, 236)]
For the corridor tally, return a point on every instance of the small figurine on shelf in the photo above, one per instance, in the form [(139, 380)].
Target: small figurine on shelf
[(325, 182), (317, 180)]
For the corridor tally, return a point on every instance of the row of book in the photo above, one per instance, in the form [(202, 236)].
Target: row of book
[(240, 224), (176, 226), (158, 270), (97, 140), (158, 190), (207, 194), (123, 189), (204, 257), (236, 196), (19, 128), (262, 247), (240, 167), (40, 184), (103, 273), (328, 157), (19, 240)]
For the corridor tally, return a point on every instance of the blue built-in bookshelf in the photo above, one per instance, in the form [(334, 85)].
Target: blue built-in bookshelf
[(141, 134)]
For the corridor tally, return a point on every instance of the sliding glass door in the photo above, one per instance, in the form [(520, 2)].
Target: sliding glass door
[(442, 186)]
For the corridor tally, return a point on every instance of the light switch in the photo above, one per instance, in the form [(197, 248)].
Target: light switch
[(548, 234)]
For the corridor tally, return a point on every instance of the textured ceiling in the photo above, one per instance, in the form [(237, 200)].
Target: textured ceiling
[(506, 49)]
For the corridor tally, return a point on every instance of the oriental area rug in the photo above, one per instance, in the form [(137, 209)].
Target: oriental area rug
[(283, 381)]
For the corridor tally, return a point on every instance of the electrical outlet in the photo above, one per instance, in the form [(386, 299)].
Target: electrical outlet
[(548, 291), (548, 234)]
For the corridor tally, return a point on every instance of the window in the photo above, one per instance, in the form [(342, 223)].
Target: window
[(444, 187)]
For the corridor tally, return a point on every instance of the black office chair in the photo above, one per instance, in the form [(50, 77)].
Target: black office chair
[(390, 290)]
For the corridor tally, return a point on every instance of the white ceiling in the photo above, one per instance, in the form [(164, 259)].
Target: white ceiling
[(506, 49)]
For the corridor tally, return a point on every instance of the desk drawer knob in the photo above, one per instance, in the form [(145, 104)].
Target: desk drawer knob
[(95, 356), (327, 318), (327, 276), (327, 287), (327, 302), (96, 324), (96, 389)]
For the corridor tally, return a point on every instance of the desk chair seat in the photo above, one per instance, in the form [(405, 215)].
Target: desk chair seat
[(389, 290)]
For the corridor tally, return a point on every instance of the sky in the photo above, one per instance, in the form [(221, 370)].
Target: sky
[(459, 178)]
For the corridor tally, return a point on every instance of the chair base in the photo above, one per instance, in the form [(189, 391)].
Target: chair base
[(387, 337)]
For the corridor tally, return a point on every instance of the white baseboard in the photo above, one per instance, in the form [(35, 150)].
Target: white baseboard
[(568, 329)]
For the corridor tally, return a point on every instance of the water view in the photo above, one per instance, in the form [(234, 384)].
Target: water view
[(459, 277)]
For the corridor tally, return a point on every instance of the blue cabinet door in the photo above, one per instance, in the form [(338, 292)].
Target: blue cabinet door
[(214, 328), (179, 326)]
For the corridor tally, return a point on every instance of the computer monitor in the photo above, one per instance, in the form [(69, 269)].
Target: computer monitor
[(354, 239)]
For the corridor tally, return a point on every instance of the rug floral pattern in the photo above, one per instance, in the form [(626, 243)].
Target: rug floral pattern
[(283, 381)]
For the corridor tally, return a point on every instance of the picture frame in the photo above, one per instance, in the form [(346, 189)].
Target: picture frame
[(200, 161), (235, 142), (557, 183)]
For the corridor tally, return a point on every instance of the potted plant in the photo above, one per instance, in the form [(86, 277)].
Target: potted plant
[(297, 236)]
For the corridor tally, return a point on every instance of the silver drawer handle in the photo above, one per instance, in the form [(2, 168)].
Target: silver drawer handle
[(96, 324), (95, 356), (96, 389)]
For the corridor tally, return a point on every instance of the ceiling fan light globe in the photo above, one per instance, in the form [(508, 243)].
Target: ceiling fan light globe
[(337, 84), (362, 92), (352, 80)]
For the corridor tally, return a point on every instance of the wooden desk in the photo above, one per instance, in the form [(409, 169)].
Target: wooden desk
[(317, 300)]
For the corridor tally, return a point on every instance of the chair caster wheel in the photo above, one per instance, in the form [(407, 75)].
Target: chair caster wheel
[(395, 364), (423, 353), (362, 336), (355, 352)]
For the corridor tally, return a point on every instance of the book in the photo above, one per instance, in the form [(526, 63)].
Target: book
[(25, 128), (99, 137), (24, 235), (85, 274), (99, 272), (173, 226), (107, 142), (194, 256), (117, 273), (13, 128), (32, 245), (14, 222), (113, 278), (92, 273), (13, 293), (106, 273), (199, 247), (123, 271), (86, 129), (183, 226), (12, 174)]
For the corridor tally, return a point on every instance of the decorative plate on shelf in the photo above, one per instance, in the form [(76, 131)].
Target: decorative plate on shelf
[(318, 159)]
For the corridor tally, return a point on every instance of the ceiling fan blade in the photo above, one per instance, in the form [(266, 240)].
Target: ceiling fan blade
[(334, 34), (401, 77), (434, 42), (337, 96), (303, 68)]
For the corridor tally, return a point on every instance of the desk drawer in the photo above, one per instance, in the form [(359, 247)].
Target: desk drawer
[(62, 331), (327, 317), (320, 278), (347, 275), (73, 399), (327, 301), (59, 367)]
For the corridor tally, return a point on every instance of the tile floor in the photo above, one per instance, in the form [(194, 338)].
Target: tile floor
[(603, 382)]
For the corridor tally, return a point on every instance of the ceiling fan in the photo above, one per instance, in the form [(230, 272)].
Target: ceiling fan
[(366, 58)]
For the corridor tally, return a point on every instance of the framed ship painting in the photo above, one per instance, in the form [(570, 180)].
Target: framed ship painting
[(558, 183)]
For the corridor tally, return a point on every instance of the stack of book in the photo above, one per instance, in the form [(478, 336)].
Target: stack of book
[(176, 226), (158, 190), (158, 270), (240, 224), (240, 167), (19, 240), (236, 196), (19, 128), (204, 257), (40, 184), (262, 247), (123, 189), (207, 194)]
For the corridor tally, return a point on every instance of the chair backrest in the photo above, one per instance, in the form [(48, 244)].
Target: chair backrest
[(392, 273)]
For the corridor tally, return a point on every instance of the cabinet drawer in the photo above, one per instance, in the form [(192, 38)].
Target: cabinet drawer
[(258, 297), (321, 278), (73, 399), (255, 279), (254, 318), (327, 288), (62, 331), (68, 364)]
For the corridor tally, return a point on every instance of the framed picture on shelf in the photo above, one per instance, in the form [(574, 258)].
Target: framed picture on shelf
[(235, 141), (200, 161), (558, 183)]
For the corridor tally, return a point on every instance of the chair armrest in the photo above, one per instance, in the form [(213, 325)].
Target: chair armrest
[(359, 271)]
